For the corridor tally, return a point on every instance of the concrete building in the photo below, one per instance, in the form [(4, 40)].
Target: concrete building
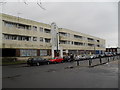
[(25, 38)]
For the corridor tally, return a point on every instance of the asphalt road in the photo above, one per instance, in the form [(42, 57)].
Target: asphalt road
[(62, 75)]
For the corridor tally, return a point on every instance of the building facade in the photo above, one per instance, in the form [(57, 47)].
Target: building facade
[(25, 38)]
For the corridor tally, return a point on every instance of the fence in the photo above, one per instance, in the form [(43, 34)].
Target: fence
[(98, 61)]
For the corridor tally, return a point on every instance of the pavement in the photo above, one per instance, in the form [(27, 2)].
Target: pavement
[(62, 75)]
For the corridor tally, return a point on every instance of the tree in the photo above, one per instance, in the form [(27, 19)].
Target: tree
[(38, 2)]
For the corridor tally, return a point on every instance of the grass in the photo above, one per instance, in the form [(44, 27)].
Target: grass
[(12, 63)]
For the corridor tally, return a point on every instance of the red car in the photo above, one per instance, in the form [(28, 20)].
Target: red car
[(56, 59)]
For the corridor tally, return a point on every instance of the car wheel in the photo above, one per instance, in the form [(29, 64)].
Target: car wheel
[(38, 64), (62, 61)]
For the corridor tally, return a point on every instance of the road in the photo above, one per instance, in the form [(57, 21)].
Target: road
[(62, 75)]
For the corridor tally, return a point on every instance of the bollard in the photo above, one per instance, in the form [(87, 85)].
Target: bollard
[(90, 62), (113, 58), (77, 63), (117, 57), (108, 59)]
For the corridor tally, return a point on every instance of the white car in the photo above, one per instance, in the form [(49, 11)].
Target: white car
[(80, 57)]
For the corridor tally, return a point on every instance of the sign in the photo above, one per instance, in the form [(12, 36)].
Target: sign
[(55, 36)]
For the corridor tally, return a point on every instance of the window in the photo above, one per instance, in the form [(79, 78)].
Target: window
[(41, 29), (20, 38), (98, 45), (47, 40), (68, 34), (63, 42), (24, 38), (62, 34), (9, 37), (77, 36), (43, 52), (28, 52), (23, 26), (90, 44), (34, 38), (98, 40), (10, 24), (72, 42), (68, 42), (78, 43), (28, 27), (90, 39), (16, 37), (35, 28), (47, 30), (41, 39)]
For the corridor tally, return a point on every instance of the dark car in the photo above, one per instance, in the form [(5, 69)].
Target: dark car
[(37, 61)]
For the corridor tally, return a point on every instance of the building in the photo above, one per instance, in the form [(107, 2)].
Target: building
[(113, 50), (25, 38)]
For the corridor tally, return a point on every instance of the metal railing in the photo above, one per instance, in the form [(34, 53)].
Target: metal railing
[(100, 60)]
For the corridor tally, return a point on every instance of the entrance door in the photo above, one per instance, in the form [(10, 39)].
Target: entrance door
[(57, 53)]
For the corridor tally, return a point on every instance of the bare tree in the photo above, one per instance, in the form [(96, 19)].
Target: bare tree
[(39, 3), (3, 2)]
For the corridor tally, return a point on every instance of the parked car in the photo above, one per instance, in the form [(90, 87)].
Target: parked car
[(37, 61), (101, 55), (80, 57), (56, 60), (109, 54), (67, 58), (93, 56)]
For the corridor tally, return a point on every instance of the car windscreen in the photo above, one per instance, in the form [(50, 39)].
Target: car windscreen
[(37, 58)]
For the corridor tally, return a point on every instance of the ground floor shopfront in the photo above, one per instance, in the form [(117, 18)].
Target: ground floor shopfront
[(44, 52)]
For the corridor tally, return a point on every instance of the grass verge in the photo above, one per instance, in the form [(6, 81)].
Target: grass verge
[(12, 63)]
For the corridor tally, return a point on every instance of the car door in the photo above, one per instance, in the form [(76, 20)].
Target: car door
[(41, 60), (60, 59)]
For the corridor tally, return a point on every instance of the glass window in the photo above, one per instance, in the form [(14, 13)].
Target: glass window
[(34, 38), (41, 39), (41, 29), (43, 52), (28, 52), (47, 40), (47, 30), (35, 28), (10, 24)]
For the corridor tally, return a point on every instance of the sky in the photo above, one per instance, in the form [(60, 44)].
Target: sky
[(98, 19)]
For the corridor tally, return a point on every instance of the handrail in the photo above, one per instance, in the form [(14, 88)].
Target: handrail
[(91, 60)]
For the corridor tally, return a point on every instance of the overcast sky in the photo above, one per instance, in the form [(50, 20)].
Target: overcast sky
[(99, 19)]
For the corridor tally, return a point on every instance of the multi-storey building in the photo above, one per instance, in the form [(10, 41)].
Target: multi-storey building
[(23, 38)]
